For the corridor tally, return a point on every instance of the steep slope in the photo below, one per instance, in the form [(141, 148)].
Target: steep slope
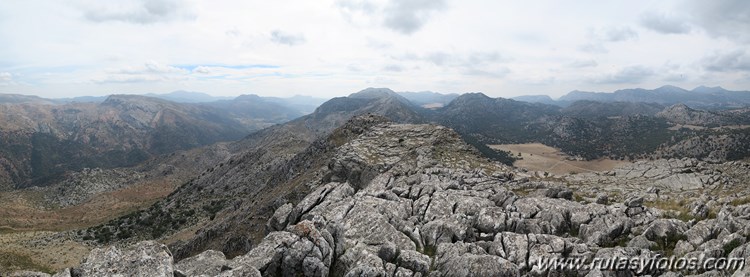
[(414, 200), (251, 180), (40, 142), (255, 110), (495, 119), (593, 109), (682, 114)]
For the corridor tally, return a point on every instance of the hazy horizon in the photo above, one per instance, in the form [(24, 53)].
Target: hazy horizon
[(336, 47), (552, 96)]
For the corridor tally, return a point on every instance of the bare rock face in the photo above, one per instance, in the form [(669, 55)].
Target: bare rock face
[(301, 248), (280, 218), (209, 263), (147, 258), (414, 200)]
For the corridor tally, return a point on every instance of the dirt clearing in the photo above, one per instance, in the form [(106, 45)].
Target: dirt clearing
[(540, 157)]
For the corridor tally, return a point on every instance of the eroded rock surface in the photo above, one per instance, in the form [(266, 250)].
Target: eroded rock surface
[(414, 200)]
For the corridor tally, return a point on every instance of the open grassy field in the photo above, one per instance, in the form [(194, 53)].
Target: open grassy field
[(23, 211), (29, 232), (540, 157), (38, 251)]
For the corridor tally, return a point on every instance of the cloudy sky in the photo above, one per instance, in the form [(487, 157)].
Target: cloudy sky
[(336, 47)]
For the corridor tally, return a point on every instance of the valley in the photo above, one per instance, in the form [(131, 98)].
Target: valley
[(375, 146), (540, 157), (374, 138)]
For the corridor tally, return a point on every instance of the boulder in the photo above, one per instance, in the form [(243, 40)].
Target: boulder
[(147, 258)]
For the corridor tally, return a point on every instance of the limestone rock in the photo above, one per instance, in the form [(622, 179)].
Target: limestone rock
[(146, 258)]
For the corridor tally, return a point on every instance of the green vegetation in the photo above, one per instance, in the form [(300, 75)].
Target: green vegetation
[(502, 121), (679, 215), (666, 245), (674, 209), (492, 154), (151, 223), (6, 230), (429, 250), (12, 262), (578, 198), (740, 201), (731, 246), (621, 241), (213, 208)]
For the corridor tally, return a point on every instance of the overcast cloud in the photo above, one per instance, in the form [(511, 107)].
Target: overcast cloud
[(628, 75), (727, 18), (732, 61), (664, 24), (286, 38), (335, 47), (138, 11)]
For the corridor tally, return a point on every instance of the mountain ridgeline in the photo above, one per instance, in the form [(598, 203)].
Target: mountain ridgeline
[(42, 140), (232, 200), (375, 198), (700, 97), (371, 167)]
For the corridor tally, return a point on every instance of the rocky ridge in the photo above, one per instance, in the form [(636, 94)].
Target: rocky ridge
[(682, 114), (230, 200), (414, 200)]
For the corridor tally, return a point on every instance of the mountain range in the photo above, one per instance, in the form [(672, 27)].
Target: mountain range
[(699, 97), (42, 139), (274, 165), (233, 172)]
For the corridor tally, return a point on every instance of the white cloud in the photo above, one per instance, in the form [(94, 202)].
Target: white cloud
[(614, 34), (202, 70), (287, 38), (402, 16), (582, 64), (728, 18), (6, 78), (150, 71), (408, 16), (138, 11), (393, 68), (627, 75), (664, 24), (596, 48), (149, 67), (334, 47), (730, 61)]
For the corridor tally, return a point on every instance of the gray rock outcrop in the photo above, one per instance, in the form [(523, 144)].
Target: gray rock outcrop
[(414, 200)]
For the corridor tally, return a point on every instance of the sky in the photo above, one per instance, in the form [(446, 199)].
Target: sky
[(329, 48)]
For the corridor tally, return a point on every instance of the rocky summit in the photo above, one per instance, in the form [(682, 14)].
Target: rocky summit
[(415, 200)]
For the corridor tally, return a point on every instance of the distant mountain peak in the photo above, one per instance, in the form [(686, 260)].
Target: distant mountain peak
[(118, 98), (540, 98), (474, 95), (373, 93), (183, 96), (678, 107), (706, 89), (670, 88), (253, 97), (707, 97)]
